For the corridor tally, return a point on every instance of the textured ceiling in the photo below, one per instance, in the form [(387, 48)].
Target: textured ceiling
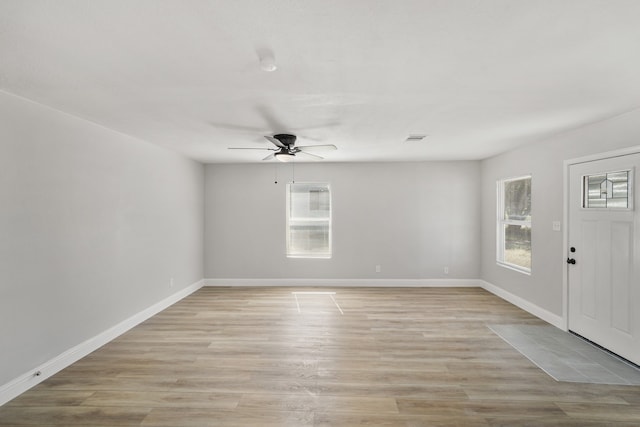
[(478, 77)]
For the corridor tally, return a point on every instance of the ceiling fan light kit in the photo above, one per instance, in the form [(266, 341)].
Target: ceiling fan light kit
[(285, 157)]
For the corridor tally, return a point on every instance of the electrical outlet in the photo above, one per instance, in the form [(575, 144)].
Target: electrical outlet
[(378, 269), (446, 270), (556, 226), (171, 282)]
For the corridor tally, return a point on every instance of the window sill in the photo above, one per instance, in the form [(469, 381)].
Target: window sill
[(513, 267), (309, 256)]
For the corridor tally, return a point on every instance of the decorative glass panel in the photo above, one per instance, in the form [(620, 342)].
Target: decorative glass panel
[(607, 190)]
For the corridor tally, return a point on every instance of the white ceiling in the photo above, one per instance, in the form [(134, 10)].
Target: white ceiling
[(478, 76)]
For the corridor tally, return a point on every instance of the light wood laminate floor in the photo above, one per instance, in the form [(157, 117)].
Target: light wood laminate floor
[(361, 356)]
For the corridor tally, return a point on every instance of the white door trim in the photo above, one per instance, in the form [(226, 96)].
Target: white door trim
[(565, 217)]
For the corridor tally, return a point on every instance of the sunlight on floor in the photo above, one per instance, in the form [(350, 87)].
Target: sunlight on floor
[(315, 294)]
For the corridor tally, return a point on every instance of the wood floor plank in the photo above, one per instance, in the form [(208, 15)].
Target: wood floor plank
[(164, 417), (307, 402), (332, 419), (72, 415), (479, 408), (600, 411), (555, 421), (44, 397), (98, 381), (248, 357), (155, 399), (524, 391)]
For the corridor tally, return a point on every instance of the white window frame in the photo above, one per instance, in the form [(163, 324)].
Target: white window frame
[(502, 222), (297, 221)]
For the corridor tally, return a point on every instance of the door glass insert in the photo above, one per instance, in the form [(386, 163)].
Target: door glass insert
[(611, 190)]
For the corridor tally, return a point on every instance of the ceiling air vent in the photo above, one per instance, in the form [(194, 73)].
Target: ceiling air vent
[(415, 138)]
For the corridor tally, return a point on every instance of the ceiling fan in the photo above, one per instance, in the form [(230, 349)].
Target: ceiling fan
[(286, 149)]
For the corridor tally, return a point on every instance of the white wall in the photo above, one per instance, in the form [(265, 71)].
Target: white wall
[(545, 161), (93, 224), (412, 219)]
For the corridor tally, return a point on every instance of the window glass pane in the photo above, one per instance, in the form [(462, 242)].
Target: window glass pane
[(309, 239), (618, 203), (517, 245), (597, 203), (517, 199), (309, 201), (620, 189)]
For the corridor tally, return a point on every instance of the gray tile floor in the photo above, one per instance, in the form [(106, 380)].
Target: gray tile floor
[(566, 357)]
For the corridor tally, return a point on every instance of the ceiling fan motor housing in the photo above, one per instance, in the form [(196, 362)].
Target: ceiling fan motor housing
[(286, 139)]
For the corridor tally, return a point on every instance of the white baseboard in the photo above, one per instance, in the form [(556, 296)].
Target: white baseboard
[(24, 382), (530, 307), (385, 283)]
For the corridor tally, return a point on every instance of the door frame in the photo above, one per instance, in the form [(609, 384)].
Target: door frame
[(565, 216)]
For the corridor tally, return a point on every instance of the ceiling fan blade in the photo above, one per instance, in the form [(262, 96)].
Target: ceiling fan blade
[(270, 156), (316, 148), (315, 157), (247, 148), (275, 141)]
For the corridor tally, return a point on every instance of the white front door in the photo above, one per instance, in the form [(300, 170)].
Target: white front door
[(604, 254)]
